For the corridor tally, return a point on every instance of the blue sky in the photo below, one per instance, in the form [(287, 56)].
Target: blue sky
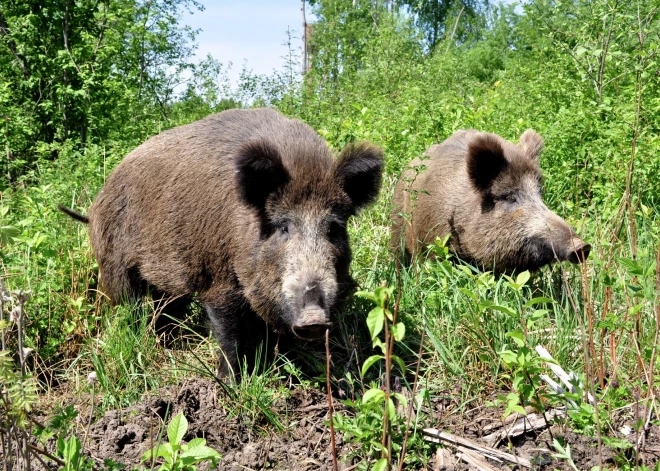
[(250, 30)]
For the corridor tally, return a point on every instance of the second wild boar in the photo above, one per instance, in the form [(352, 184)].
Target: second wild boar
[(247, 209), (485, 193)]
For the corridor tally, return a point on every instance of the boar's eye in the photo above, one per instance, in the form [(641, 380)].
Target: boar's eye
[(282, 229), (334, 230), (508, 198)]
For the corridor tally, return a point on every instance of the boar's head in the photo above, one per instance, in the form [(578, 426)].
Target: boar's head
[(516, 230), (303, 202)]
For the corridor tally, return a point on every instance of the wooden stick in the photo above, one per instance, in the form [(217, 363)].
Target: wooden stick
[(435, 435), (522, 425), (470, 457), (412, 400), (453, 33), (330, 408)]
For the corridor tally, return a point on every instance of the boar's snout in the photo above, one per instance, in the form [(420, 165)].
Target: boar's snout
[(312, 321), (578, 250)]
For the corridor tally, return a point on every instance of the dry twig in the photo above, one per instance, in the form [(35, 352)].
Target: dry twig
[(330, 408)]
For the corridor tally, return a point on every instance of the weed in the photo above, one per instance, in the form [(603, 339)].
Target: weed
[(178, 456)]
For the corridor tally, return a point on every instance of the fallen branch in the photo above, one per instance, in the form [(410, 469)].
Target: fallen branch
[(436, 436), (522, 425), (474, 459)]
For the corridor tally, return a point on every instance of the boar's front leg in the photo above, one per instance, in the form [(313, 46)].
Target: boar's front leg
[(225, 324)]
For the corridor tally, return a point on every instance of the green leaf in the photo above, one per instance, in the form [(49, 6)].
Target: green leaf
[(400, 363), (200, 453), (195, 442), (522, 278), (514, 408), (164, 450), (378, 343), (505, 309), (368, 363), (367, 295), (399, 331), (7, 234), (382, 293), (381, 465), (508, 357), (391, 410), (517, 337), (632, 266), (401, 398), (71, 453), (177, 429), (375, 321), (373, 394), (468, 293), (540, 300)]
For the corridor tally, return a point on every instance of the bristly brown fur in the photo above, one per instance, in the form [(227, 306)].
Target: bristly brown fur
[(532, 144), (231, 208), (485, 161), (485, 192)]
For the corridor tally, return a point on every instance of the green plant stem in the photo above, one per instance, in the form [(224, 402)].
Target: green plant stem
[(89, 421), (538, 398), (3, 346)]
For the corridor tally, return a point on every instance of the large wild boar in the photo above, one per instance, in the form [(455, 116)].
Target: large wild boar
[(485, 193), (247, 209)]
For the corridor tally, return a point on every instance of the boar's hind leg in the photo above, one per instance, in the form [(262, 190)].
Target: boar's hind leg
[(122, 285)]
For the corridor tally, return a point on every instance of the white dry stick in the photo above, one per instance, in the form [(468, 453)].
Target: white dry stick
[(523, 425), (558, 389), (564, 377), (474, 459), (437, 436)]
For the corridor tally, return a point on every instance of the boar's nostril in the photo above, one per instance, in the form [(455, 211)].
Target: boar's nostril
[(311, 323), (310, 332), (579, 253)]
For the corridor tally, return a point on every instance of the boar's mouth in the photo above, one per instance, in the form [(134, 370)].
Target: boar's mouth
[(579, 252), (311, 324), (540, 252)]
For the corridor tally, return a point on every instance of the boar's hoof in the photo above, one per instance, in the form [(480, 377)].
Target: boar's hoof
[(580, 251), (312, 323)]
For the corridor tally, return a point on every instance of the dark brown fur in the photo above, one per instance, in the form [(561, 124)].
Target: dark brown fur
[(246, 209), (485, 192)]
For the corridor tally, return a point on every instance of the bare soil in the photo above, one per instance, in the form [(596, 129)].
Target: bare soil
[(303, 441), (304, 444)]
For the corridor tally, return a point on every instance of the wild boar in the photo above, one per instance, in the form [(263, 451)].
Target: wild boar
[(247, 210), (485, 193)]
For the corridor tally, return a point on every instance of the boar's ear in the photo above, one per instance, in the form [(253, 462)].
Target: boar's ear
[(358, 171), (259, 172), (532, 144), (485, 161)]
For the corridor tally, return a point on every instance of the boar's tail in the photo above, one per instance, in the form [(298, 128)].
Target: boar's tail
[(73, 214)]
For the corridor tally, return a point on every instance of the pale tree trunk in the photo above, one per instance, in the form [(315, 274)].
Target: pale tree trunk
[(304, 37)]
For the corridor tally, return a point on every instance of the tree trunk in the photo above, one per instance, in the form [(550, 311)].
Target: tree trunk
[(304, 37)]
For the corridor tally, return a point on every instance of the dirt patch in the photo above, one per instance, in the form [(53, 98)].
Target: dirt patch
[(537, 446), (303, 443)]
